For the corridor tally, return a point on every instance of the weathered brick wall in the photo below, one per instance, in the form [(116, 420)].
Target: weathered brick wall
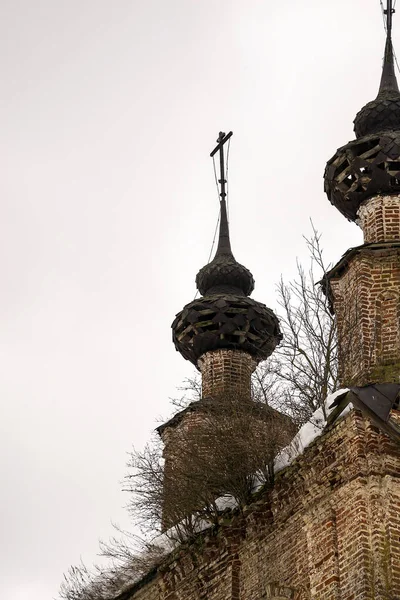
[(178, 492), (367, 308), (379, 218), (328, 530), (226, 379), (226, 372), (211, 437)]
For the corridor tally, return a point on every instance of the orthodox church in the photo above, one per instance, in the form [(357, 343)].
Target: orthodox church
[(328, 527)]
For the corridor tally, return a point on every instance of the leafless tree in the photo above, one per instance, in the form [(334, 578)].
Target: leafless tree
[(190, 392), (303, 369), (145, 484), (128, 559)]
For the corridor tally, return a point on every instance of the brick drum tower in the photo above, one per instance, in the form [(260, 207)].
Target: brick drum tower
[(225, 334)]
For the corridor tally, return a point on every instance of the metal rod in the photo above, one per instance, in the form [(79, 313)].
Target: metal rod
[(222, 139), (222, 172), (224, 245), (221, 142), (389, 14)]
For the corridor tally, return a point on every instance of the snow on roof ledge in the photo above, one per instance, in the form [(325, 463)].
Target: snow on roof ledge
[(309, 432)]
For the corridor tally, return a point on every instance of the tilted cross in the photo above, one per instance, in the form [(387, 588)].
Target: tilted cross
[(389, 14), (222, 138)]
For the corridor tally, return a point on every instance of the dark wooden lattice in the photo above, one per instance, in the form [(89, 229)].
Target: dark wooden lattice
[(361, 169), (225, 321)]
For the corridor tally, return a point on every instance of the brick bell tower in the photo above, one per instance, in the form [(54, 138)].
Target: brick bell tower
[(363, 181), (225, 334)]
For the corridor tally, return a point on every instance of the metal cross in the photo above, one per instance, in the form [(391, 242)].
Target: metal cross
[(389, 13), (222, 138)]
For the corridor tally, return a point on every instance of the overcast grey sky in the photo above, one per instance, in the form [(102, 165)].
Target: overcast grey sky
[(108, 204)]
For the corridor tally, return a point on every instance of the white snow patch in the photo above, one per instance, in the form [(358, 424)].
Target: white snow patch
[(225, 502), (308, 432), (165, 541)]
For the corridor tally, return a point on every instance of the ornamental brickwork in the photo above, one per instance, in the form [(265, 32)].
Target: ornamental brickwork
[(379, 218)]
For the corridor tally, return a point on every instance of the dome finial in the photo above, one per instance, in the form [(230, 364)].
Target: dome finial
[(225, 318), (388, 80), (369, 165), (389, 11), (224, 244), (224, 274), (383, 113)]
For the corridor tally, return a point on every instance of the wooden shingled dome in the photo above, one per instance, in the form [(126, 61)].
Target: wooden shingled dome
[(370, 164), (225, 321), (361, 169), (224, 271), (225, 317)]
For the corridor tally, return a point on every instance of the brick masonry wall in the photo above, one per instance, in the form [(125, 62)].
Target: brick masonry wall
[(226, 372), (379, 218), (175, 440), (214, 434), (226, 378), (328, 530), (367, 308)]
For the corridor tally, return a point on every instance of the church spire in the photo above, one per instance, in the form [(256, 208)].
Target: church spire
[(224, 243), (370, 164), (225, 318), (388, 80), (383, 113), (224, 273)]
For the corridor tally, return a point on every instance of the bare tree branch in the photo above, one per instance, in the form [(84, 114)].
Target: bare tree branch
[(303, 369)]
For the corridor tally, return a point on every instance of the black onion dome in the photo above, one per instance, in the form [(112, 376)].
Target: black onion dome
[(224, 273), (362, 169), (370, 164), (225, 321), (383, 113), (225, 317)]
